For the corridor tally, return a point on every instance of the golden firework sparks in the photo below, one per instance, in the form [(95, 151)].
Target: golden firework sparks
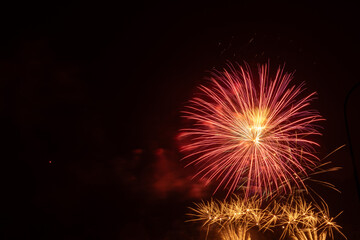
[(294, 217)]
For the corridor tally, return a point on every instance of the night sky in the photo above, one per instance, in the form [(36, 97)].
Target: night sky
[(90, 106)]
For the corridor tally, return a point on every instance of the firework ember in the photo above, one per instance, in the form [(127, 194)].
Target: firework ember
[(251, 132)]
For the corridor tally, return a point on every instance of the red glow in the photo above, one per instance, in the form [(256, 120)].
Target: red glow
[(169, 178)]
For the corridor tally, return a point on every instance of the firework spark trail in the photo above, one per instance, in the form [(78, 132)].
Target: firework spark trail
[(295, 217), (244, 134), (234, 233)]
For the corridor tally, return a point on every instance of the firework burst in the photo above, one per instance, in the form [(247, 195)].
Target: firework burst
[(251, 135), (293, 217)]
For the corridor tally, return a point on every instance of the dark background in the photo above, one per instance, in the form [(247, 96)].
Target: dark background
[(90, 102)]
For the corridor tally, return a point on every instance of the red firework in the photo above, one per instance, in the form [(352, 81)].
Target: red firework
[(251, 135)]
